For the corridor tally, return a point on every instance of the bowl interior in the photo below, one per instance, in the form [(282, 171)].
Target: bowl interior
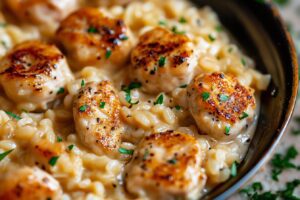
[(259, 31)]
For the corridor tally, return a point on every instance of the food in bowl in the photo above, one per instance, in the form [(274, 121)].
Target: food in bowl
[(147, 100)]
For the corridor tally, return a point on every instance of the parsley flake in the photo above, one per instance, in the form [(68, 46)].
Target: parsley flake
[(162, 61), (70, 147), (175, 30), (13, 115), (53, 160), (92, 30), (219, 28), (205, 96), (108, 53), (172, 161), (211, 38), (227, 130), (4, 154), (233, 170), (126, 151), (177, 107), (59, 139), (162, 23), (244, 115), (182, 20), (243, 61), (127, 90), (60, 90), (159, 100), (102, 104), (83, 108)]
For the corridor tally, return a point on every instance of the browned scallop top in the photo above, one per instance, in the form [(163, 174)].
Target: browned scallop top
[(169, 169), (222, 96), (158, 43), (30, 60), (90, 27)]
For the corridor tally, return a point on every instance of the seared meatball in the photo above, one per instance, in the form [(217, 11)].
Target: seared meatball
[(100, 40), (33, 72), (166, 165), (42, 12), (163, 60), (96, 114), (220, 105), (23, 183)]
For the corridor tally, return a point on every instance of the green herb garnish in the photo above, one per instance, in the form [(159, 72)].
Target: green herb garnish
[(172, 161), (162, 61), (183, 86), (83, 108), (123, 37), (233, 170), (53, 160), (175, 30), (244, 115), (182, 20), (219, 28), (59, 139), (13, 115), (211, 38), (162, 23), (82, 83), (4, 154), (126, 151), (205, 96), (60, 90), (227, 130), (223, 97), (102, 104), (243, 61), (159, 100), (177, 107), (108, 53), (70, 147), (127, 90)]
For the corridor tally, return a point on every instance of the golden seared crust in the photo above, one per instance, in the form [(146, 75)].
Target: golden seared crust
[(222, 96), (163, 60), (96, 114), (96, 34), (22, 183), (34, 11), (32, 72), (166, 164)]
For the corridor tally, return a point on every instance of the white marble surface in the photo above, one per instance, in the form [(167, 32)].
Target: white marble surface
[(291, 14)]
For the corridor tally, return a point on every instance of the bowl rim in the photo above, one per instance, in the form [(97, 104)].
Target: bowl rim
[(289, 111)]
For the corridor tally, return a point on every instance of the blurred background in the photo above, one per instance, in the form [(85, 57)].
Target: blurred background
[(263, 186)]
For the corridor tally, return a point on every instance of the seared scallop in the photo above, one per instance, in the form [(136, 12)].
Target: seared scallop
[(166, 165), (32, 73), (42, 12), (22, 183), (100, 40), (163, 60), (96, 114), (220, 105)]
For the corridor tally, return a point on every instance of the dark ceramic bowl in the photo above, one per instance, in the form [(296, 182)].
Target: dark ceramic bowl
[(261, 33)]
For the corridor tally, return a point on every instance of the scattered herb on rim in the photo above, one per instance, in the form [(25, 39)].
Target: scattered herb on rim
[(53, 160), (82, 83), (108, 53), (233, 170), (243, 61), (182, 20), (227, 130), (244, 115), (102, 104), (70, 147), (126, 151), (162, 61), (159, 100), (4, 154), (92, 30), (83, 108), (211, 38), (60, 90), (205, 96), (13, 115), (223, 97)]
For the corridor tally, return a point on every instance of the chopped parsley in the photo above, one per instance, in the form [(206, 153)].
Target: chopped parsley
[(205, 96), (4, 154), (53, 160), (183, 86), (127, 90), (227, 130), (70, 147), (281, 162), (108, 53), (123, 37), (126, 151), (211, 38), (175, 30), (172, 161), (230, 49), (60, 90), (102, 104), (219, 28), (82, 83), (244, 115), (182, 20), (233, 170), (162, 23), (243, 61), (59, 139), (223, 97), (83, 108), (13, 115), (162, 61), (159, 100), (177, 107), (92, 30)]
